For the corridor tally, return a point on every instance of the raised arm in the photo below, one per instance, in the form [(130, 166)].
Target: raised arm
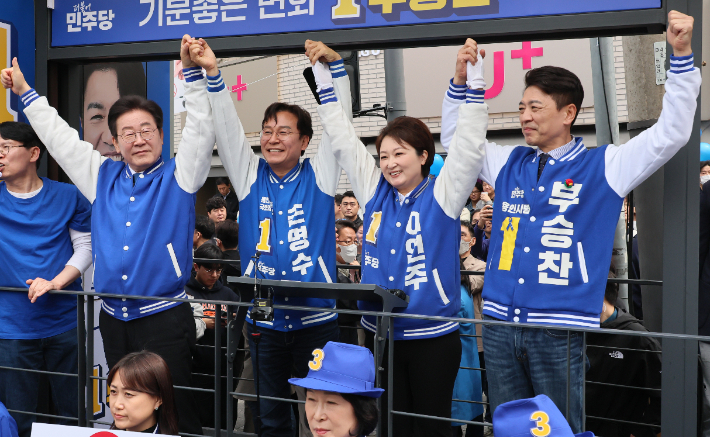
[(77, 158), (194, 156), (630, 164)]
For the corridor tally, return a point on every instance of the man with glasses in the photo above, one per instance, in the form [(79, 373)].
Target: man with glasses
[(143, 216), (46, 245), (286, 221)]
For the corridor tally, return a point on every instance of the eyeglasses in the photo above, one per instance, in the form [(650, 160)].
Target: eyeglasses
[(5, 149), (146, 134), (281, 134), (218, 271)]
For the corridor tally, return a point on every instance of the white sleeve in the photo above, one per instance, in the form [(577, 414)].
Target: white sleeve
[(454, 183), (632, 163), (77, 158), (325, 165), (194, 156), (198, 313), (81, 242), (234, 150), (495, 155), (350, 152)]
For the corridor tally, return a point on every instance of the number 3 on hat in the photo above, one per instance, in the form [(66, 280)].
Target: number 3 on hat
[(317, 362), (541, 419)]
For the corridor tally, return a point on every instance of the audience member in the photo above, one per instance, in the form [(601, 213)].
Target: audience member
[(488, 195), (204, 231), (537, 416), (359, 243), (704, 303), (341, 397), (45, 234), (346, 239), (704, 172), (141, 395), (630, 369), (227, 237), (350, 208), (482, 233), (224, 188), (217, 210), (475, 203), (338, 211)]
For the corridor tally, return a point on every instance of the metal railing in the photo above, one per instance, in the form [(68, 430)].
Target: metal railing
[(224, 384)]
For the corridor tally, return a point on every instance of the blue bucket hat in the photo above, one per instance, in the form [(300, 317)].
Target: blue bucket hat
[(538, 416), (341, 368)]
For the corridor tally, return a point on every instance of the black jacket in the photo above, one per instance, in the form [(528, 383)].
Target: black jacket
[(616, 364), (232, 204), (704, 284)]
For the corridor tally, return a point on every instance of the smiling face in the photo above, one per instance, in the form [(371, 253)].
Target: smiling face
[(329, 414), (281, 142), (543, 124), (401, 165), (100, 94), (132, 410), (475, 195), (139, 154)]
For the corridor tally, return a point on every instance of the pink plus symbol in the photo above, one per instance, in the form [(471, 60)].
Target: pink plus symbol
[(239, 88), (527, 53)]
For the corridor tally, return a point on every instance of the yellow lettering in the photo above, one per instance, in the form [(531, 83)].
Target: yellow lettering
[(427, 5), (470, 3), (265, 226), (371, 236), (510, 233), (346, 9), (386, 4), (317, 362), (542, 427)]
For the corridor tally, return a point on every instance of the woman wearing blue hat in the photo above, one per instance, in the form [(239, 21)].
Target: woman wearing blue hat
[(340, 391)]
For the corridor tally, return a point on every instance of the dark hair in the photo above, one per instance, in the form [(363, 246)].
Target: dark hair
[(228, 234), (130, 77), (204, 226), (215, 203), (147, 372), (340, 224), (562, 85), (208, 251), (304, 125), (479, 185), (350, 194), (134, 103), (413, 132), (702, 163), (366, 413), (338, 199), (611, 292), (22, 133), (222, 181), (469, 227)]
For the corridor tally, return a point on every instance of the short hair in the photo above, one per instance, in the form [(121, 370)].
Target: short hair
[(338, 199), (215, 203), (611, 292), (702, 163), (208, 251), (130, 76), (228, 234), (469, 227), (222, 181), (414, 132), (561, 84), (366, 413), (22, 133), (350, 194), (340, 224), (205, 226), (128, 104), (304, 124), (479, 185), (147, 372)]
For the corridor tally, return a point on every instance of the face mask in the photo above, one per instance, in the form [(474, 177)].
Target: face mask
[(464, 246), (348, 253), (704, 178)]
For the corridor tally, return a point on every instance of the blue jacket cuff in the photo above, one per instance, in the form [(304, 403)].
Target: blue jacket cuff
[(682, 64), (29, 97), (327, 95), (192, 74), (457, 92), (215, 83), (337, 69), (475, 96)]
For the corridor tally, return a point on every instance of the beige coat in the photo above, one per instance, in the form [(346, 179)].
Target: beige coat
[(476, 286)]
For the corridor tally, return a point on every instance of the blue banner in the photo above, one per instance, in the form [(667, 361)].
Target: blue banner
[(108, 21), (17, 39)]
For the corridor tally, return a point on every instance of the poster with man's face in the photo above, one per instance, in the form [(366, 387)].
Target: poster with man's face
[(103, 85)]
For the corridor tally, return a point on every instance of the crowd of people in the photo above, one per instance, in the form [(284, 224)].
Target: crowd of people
[(519, 214)]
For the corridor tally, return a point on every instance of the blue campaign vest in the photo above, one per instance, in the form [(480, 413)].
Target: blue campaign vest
[(551, 240), (290, 222), (142, 229), (413, 248)]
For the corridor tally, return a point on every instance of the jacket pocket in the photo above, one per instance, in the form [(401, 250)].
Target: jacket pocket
[(173, 258)]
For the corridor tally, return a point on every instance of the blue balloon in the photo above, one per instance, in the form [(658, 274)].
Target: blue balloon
[(704, 152), (437, 164)]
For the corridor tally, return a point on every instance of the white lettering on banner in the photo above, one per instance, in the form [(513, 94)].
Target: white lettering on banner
[(520, 208), (301, 7), (371, 261), (298, 238), (179, 12), (266, 269), (416, 273), (207, 11), (232, 5), (83, 16), (558, 233), (177, 8)]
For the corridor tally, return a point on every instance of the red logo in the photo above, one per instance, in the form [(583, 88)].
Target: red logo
[(104, 434)]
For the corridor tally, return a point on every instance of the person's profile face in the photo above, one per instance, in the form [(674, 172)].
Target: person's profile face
[(100, 94)]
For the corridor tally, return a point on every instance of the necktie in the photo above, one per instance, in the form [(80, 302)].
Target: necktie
[(543, 160)]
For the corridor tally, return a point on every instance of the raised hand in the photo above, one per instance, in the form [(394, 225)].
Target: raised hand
[(317, 51), (14, 79), (680, 33), (202, 55), (185, 51), (467, 53)]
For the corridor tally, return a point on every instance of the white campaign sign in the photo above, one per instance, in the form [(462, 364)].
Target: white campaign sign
[(46, 430)]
